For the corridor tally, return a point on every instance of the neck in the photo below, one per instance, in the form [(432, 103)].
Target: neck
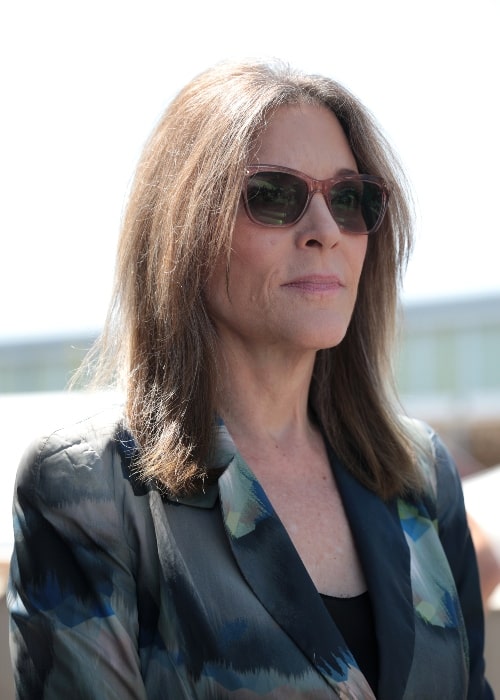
[(266, 399)]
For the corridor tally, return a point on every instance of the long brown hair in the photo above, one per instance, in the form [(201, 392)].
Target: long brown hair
[(159, 339)]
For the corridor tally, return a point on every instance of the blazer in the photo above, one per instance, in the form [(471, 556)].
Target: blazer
[(117, 592)]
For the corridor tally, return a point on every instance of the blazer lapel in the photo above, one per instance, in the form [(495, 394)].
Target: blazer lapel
[(385, 558), (272, 568)]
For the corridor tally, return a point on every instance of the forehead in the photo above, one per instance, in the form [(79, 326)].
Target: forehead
[(306, 137)]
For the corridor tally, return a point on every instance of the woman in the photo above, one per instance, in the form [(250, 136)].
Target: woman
[(259, 522)]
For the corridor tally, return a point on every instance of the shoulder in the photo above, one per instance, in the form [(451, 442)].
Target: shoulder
[(80, 460), (75, 487), (437, 467), (443, 495)]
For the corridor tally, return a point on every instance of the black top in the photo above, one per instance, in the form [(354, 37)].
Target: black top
[(354, 618)]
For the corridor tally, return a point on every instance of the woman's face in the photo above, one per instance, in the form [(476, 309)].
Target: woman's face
[(291, 289)]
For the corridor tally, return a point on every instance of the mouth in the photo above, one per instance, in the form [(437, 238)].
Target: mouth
[(316, 283)]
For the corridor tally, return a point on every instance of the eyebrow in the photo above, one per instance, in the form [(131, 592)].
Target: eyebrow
[(343, 172), (347, 171)]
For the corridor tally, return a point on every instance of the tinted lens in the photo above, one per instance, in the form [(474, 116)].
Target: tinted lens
[(276, 199), (356, 205)]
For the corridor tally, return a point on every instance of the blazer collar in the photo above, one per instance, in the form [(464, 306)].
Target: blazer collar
[(225, 450)]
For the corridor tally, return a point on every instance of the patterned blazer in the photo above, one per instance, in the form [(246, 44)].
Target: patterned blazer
[(117, 592)]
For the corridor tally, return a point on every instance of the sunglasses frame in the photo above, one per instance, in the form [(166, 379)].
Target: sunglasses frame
[(314, 186)]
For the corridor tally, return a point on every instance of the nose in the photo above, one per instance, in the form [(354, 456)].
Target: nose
[(318, 228)]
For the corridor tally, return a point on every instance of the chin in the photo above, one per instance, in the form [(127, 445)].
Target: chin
[(321, 342), (333, 343), (326, 337)]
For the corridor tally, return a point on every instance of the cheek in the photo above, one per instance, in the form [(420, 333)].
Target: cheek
[(255, 257), (358, 255), (250, 278), (243, 281)]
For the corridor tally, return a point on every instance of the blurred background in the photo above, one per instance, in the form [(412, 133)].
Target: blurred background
[(83, 86)]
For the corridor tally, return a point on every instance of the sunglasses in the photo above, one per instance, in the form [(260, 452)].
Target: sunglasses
[(277, 196)]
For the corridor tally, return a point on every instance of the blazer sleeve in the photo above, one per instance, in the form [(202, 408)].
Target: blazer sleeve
[(457, 543), (72, 596)]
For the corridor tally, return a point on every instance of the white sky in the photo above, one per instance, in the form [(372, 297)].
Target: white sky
[(83, 85)]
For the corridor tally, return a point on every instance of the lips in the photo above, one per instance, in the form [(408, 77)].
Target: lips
[(316, 283)]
